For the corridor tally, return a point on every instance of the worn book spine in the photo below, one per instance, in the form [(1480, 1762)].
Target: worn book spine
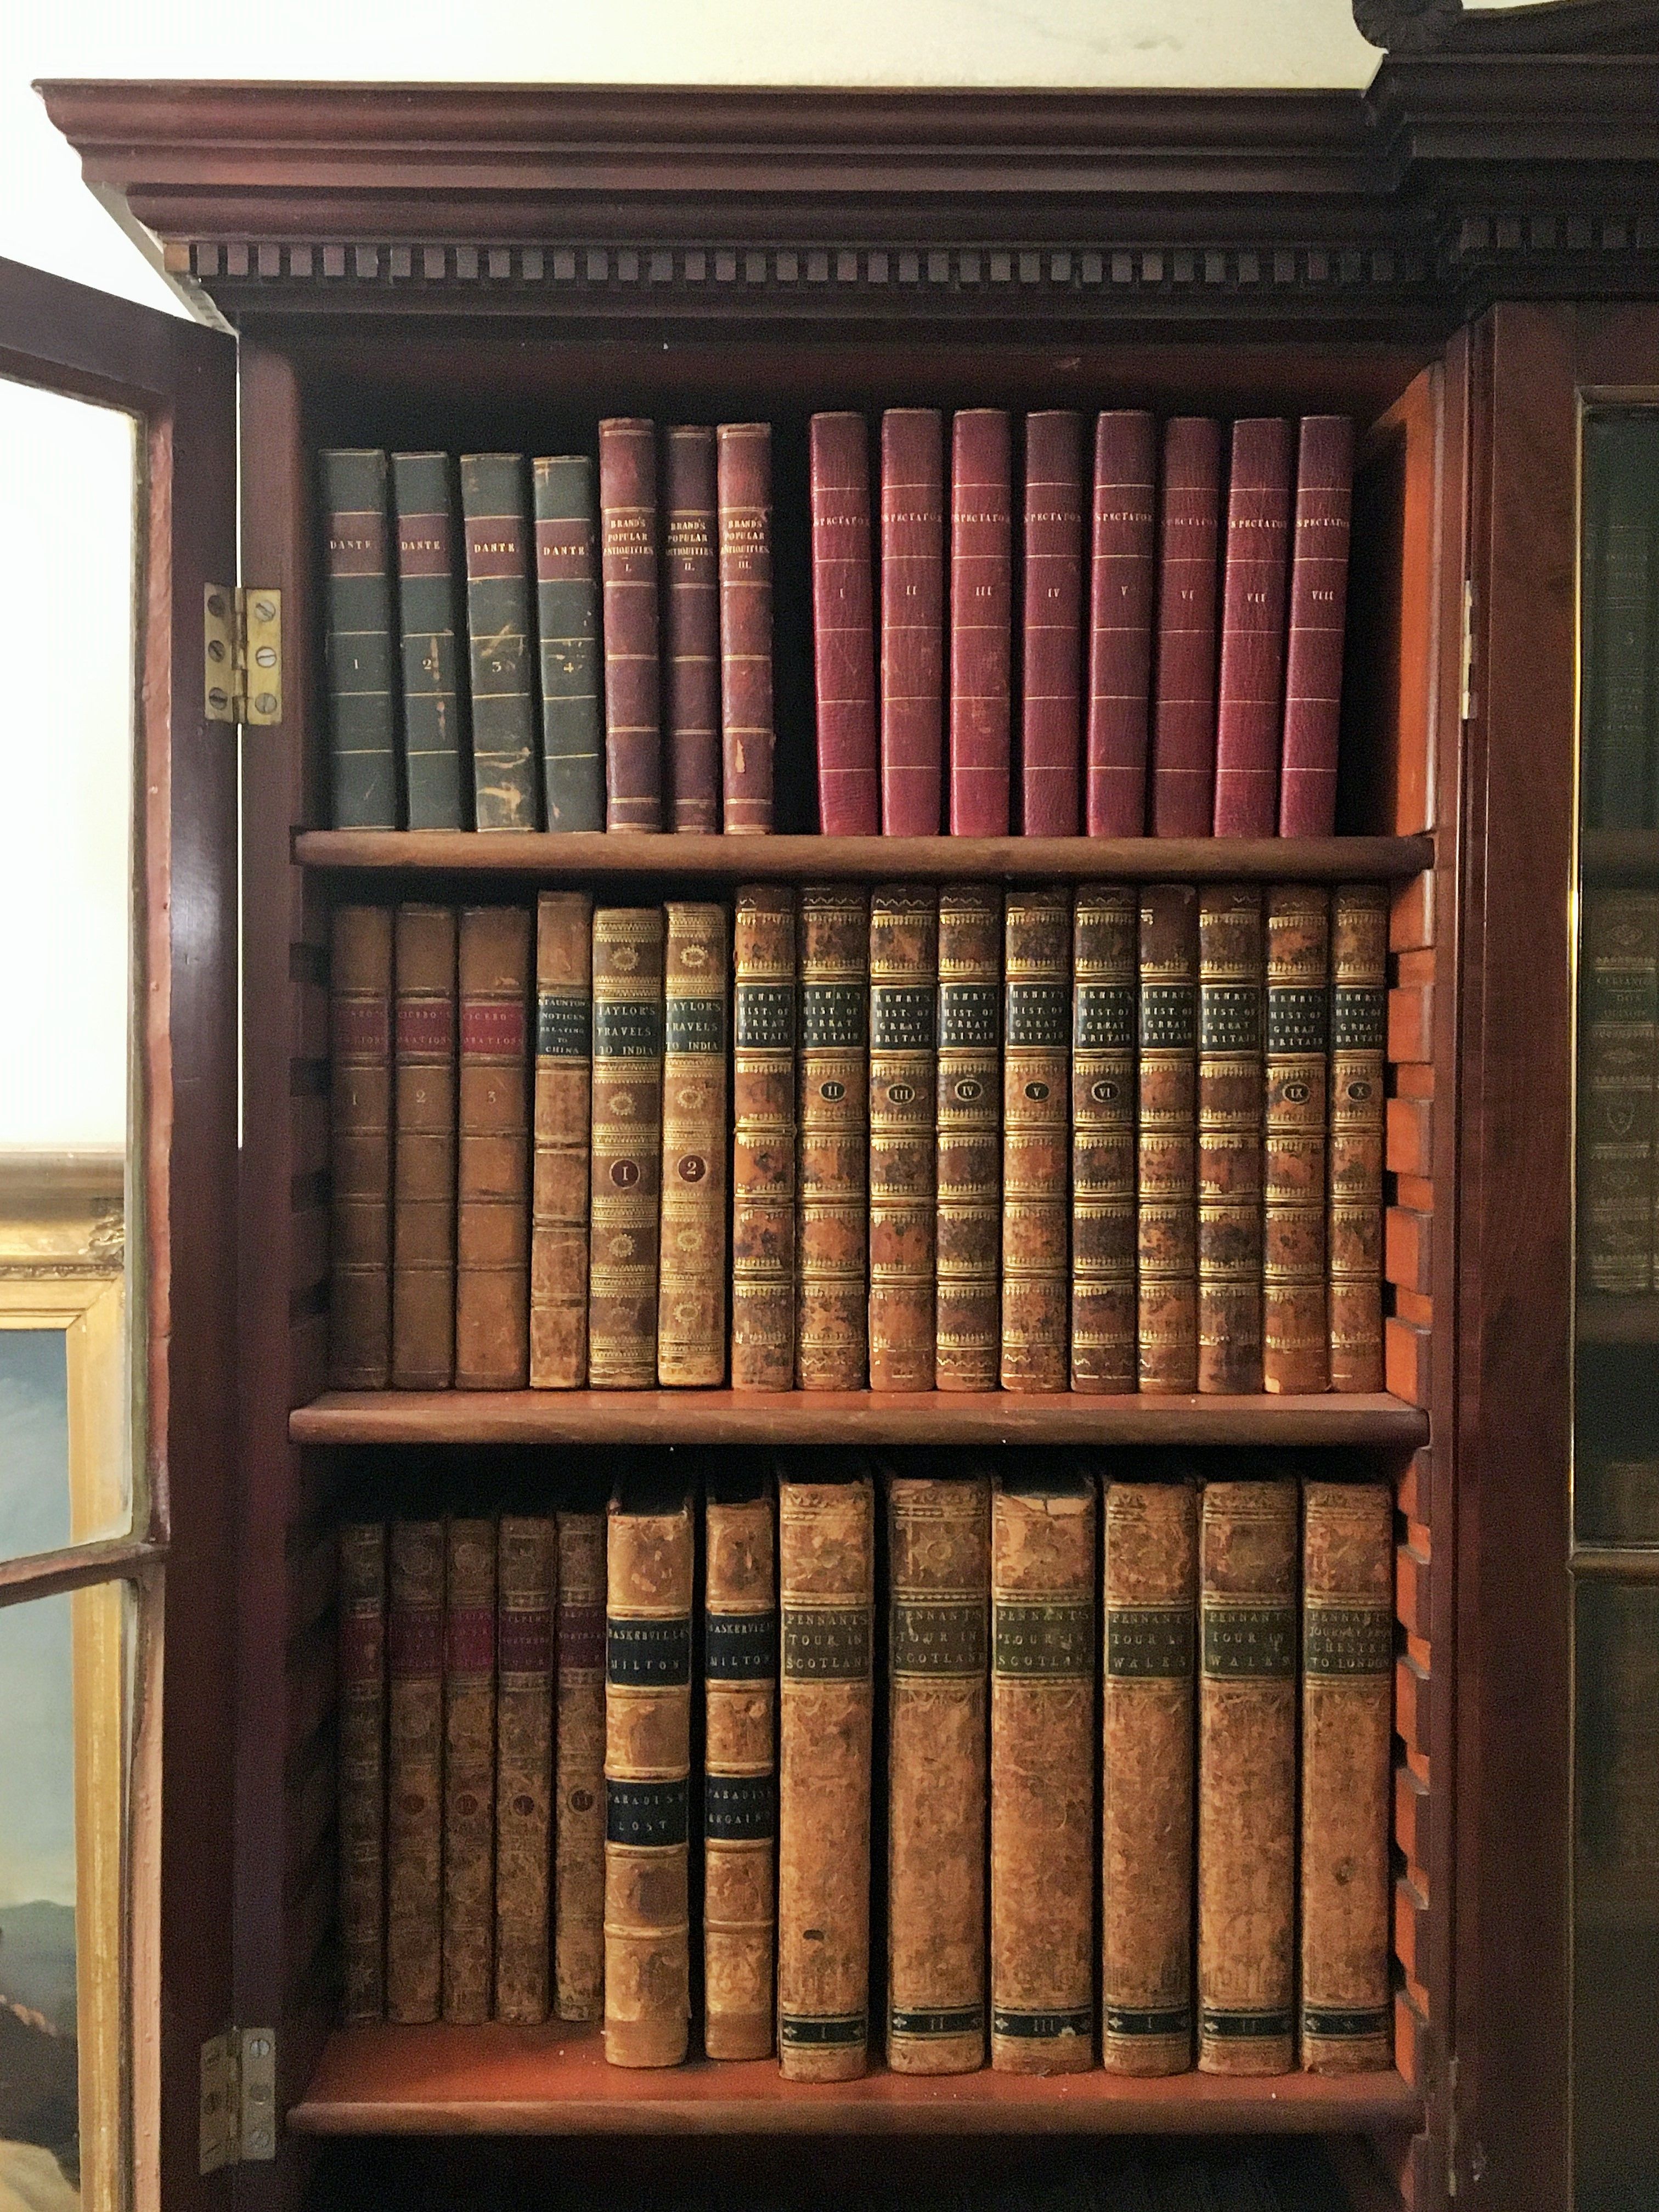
[(826, 1583), (843, 626), (1319, 601), (1036, 1138), (1229, 1156), (1121, 622), (691, 1292), (912, 620), (1183, 689), (833, 1240), (579, 1771), (1347, 1722), (691, 628), (1147, 1783), (648, 1765), (492, 1212), (626, 1158), (740, 1790), (1616, 1105), (981, 609), (358, 629), (763, 1139), (1166, 1140), (1105, 936), (559, 1169), (360, 1148), (469, 1770), (967, 1334), (414, 1766), (423, 1157), (1248, 1575), (499, 617), (1043, 1774), (1296, 1355), (567, 624), (363, 1730), (527, 1578), (628, 573), (1051, 689), (1250, 687), (903, 1073), (429, 608), (1359, 1112), (748, 736)]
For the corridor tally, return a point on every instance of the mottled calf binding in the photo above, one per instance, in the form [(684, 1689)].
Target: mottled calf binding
[(362, 1730), (1296, 1354), (904, 1017), (567, 627), (1358, 1116), (832, 1216), (492, 1224), (1166, 1139), (764, 1011), (1036, 1137), (423, 1157), (967, 1318), (626, 1159), (579, 1771), (500, 622), (739, 1797), (469, 1770), (428, 613), (1105, 934), (559, 1168), (526, 1584), (360, 1148), (1229, 1156), (691, 1289), (414, 1762), (358, 631)]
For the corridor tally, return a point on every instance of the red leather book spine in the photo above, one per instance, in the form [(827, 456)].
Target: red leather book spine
[(1051, 710), (1319, 599), (745, 568), (1183, 694), (981, 608), (1250, 694), (844, 626), (691, 627), (912, 620), (1120, 622), (627, 555)]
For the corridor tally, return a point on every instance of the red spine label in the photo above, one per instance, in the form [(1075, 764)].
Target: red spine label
[(357, 542), (494, 546), (492, 1028), (417, 1641), (526, 1644), (426, 1028), (470, 1640), (581, 1638), (423, 546)]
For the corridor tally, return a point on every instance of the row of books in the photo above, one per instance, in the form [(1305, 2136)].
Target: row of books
[(1618, 1188), (1185, 1728), (1105, 1140), (1619, 701)]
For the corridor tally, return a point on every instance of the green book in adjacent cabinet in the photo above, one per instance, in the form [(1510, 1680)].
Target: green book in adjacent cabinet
[(1621, 650), (568, 616), (495, 511), (423, 503), (357, 599)]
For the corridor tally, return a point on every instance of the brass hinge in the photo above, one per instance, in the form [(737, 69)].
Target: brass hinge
[(1466, 672), (238, 2118), (242, 654)]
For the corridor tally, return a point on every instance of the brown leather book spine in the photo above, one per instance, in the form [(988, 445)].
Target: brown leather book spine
[(560, 1167), (627, 573), (469, 1770), (968, 1332), (362, 1705), (1166, 1144), (423, 1157), (1043, 1774), (763, 1139), (691, 627), (1230, 1037), (492, 1212), (648, 1765), (1348, 1723), (982, 609), (1319, 598), (1036, 1138), (833, 1217), (748, 736), (912, 620), (627, 1149), (1620, 1022), (1105, 938), (1051, 691), (1295, 1349), (415, 1764), (526, 1581), (1359, 1037), (360, 1148), (904, 1074), (740, 1787), (579, 1771), (826, 1581), (843, 626), (1248, 1565), (1183, 690), (1121, 622), (691, 1295), (1147, 1785), (1250, 687)]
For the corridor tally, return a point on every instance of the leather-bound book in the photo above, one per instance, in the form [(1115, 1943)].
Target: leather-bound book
[(1248, 1574), (939, 1531), (469, 1770), (360, 1148), (691, 628), (1359, 1036), (1105, 939), (579, 1771), (763, 1139), (1051, 690), (627, 1147), (1042, 1772), (358, 632), (967, 1334), (1229, 1161), (1183, 687), (740, 1787), (1621, 558), (627, 572), (567, 625), (560, 1169), (1347, 1722), (981, 610), (492, 1211), (1295, 1352), (912, 620), (1166, 1146), (748, 737), (691, 1293), (1036, 1137), (826, 1587), (1616, 1091), (414, 1766), (1319, 601), (1121, 621), (843, 626), (500, 621), (1250, 689), (361, 1768), (648, 1765), (423, 1155), (527, 1580), (832, 1224), (428, 615), (1147, 1786), (903, 1073)]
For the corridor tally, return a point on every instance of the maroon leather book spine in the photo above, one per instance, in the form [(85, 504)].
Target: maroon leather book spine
[(1121, 622), (745, 571), (691, 628), (982, 609), (1319, 599), (1183, 696), (844, 626), (912, 620), (1250, 701), (627, 570), (1051, 700)]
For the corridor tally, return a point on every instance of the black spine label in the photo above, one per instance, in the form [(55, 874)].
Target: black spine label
[(648, 1654), (1038, 1013), (938, 1635), (826, 1643), (563, 1027), (1250, 1642), (1348, 1640), (831, 1015), (630, 1030), (765, 1016), (968, 1016), (1296, 1016), (799, 2031), (739, 1809), (1168, 1017), (1359, 1017), (696, 1025), (1230, 1018), (1149, 1642), (1105, 1018), (902, 1017), (1048, 1640), (652, 1815), (740, 1647)]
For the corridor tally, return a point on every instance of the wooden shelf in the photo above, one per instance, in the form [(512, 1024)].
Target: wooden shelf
[(1603, 1319), (554, 2081), (1619, 856)]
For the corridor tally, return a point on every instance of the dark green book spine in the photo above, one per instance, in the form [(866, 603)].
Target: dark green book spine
[(423, 502), (498, 621), (1621, 524), (362, 727), (568, 616)]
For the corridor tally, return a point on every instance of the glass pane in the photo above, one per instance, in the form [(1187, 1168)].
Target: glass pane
[(34, 1476)]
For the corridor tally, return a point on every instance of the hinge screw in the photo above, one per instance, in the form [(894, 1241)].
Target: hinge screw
[(264, 609)]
